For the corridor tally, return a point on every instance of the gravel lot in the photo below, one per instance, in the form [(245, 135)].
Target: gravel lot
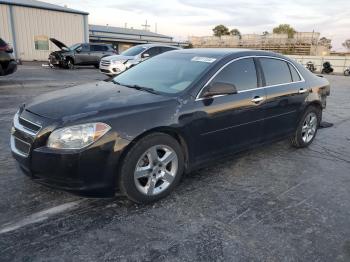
[(271, 204)]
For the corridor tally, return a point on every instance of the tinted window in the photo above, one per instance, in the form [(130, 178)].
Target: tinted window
[(168, 73), (97, 48), (165, 49), (275, 71), (2, 42), (241, 73), (152, 51), (295, 75), (85, 48)]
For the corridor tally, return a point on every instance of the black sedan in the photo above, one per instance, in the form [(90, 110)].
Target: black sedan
[(167, 116)]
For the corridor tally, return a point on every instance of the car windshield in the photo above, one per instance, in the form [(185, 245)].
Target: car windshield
[(134, 50), (73, 47), (169, 73)]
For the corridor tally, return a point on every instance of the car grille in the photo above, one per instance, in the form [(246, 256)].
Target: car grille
[(105, 62), (104, 70), (23, 134)]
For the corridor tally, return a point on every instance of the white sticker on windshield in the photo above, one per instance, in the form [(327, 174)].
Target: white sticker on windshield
[(203, 59)]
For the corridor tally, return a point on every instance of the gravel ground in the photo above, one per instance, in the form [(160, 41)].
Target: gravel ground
[(274, 203)]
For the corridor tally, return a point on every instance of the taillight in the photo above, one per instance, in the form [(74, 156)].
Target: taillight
[(6, 48)]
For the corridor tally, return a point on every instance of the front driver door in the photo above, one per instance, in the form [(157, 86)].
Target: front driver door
[(82, 56), (230, 123)]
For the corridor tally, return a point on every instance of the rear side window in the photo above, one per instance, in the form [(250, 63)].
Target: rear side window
[(240, 73), (275, 71), (2, 42), (165, 49), (295, 75), (98, 48)]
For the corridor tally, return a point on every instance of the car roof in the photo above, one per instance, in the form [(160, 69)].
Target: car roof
[(224, 52), (162, 45)]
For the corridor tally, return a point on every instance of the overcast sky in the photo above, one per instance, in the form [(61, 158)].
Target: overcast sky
[(183, 18)]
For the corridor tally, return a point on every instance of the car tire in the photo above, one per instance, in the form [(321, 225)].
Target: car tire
[(145, 176), (347, 72), (307, 127), (97, 66), (70, 64), (1, 70)]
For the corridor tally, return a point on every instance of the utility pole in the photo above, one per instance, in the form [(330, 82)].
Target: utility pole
[(146, 26)]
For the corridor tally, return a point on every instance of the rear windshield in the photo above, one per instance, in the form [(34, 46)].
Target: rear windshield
[(169, 73), (2, 42), (134, 50)]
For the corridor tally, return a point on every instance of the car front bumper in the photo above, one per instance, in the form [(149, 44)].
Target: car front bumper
[(91, 171), (112, 69)]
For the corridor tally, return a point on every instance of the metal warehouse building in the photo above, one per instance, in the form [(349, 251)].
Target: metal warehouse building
[(28, 25)]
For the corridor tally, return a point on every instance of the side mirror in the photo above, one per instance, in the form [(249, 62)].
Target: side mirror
[(219, 88), (145, 55), (78, 50)]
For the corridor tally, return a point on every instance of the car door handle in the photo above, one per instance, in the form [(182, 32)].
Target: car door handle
[(257, 99), (302, 90)]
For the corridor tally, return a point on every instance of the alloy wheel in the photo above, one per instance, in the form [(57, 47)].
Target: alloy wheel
[(156, 170), (309, 127)]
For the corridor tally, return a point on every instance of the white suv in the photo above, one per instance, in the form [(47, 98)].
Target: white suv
[(115, 64)]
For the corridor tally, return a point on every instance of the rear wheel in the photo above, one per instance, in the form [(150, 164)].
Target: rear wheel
[(307, 127), (347, 72), (151, 169)]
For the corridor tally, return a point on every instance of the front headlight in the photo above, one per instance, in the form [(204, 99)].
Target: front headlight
[(77, 137)]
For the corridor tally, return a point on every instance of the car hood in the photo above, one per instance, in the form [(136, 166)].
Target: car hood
[(59, 44), (119, 58), (94, 98)]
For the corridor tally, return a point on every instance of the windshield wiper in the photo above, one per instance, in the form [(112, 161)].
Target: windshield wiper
[(143, 88)]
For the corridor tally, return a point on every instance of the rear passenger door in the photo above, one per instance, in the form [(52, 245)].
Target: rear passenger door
[(96, 53), (286, 92), (231, 122)]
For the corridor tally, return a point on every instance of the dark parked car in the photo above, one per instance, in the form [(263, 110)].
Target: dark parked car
[(8, 63), (166, 116), (79, 54)]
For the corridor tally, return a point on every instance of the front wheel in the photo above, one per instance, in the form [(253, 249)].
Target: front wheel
[(307, 127), (347, 72), (70, 64), (151, 169)]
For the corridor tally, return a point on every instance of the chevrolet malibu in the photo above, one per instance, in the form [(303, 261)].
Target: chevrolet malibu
[(167, 116)]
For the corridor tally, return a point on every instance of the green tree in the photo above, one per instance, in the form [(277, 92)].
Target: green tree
[(284, 29), (220, 30), (235, 31), (346, 44)]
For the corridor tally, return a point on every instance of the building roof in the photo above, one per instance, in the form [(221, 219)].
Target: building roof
[(125, 31), (42, 5)]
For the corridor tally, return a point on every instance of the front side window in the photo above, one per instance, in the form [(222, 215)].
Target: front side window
[(153, 51), (240, 73), (41, 42), (168, 73), (275, 71)]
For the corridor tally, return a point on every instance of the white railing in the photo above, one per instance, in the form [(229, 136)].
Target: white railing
[(339, 63)]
